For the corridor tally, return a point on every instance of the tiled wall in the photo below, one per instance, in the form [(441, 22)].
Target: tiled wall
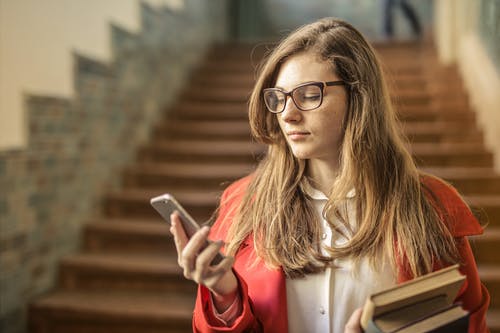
[(77, 147)]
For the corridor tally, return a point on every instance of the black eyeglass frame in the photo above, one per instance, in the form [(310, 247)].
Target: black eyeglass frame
[(320, 85)]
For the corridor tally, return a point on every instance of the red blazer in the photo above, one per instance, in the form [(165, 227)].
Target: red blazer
[(263, 290)]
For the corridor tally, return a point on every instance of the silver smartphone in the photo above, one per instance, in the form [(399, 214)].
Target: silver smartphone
[(166, 204)]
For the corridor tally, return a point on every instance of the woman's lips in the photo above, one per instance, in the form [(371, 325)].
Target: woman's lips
[(297, 135)]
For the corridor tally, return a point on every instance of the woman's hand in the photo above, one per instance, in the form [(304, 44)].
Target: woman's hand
[(354, 323), (195, 261)]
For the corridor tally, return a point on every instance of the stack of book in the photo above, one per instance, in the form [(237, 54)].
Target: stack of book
[(425, 304)]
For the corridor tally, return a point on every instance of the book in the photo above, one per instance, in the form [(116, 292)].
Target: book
[(424, 304)]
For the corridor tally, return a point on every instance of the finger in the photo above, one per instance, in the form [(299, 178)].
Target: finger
[(177, 230), (216, 272), (193, 248), (353, 325), (206, 257), (223, 266)]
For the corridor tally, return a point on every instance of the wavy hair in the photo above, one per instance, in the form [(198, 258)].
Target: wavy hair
[(395, 217)]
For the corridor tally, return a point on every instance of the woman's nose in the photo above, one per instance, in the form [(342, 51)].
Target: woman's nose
[(291, 112)]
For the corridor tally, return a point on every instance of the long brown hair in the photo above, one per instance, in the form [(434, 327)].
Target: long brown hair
[(394, 217)]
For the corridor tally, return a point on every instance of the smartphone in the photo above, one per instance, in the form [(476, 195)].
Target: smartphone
[(166, 204)]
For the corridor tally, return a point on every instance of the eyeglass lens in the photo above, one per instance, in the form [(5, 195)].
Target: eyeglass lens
[(306, 97)]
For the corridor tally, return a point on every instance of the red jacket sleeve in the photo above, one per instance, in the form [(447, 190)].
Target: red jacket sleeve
[(245, 322), (202, 319)]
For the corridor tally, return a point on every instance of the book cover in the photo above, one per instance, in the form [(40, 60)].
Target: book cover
[(426, 301)]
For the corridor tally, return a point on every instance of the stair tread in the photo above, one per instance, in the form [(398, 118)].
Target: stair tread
[(209, 147), (489, 271), (448, 147), (129, 304), (195, 170), (493, 318), (491, 232), (125, 262), (483, 200), (200, 196), (442, 127), (463, 172), (136, 226)]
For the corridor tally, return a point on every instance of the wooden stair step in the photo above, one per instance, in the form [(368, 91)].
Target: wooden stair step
[(490, 276), (224, 94), (123, 271), (128, 235), (469, 180), (486, 207), (228, 66), (493, 320), (440, 131), (485, 246), (451, 154), (185, 174), (210, 110), (449, 114), (132, 202), (112, 312), (241, 80), (204, 129), (203, 151)]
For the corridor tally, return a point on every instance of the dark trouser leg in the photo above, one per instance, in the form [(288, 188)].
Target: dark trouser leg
[(412, 17), (388, 19)]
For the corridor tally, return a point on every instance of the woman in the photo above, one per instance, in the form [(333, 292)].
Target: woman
[(336, 210)]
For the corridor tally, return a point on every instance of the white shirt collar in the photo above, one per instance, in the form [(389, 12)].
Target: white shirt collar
[(316, 194)]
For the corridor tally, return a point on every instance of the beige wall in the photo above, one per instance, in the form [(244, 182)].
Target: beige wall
[(36, 43), (458, 42)]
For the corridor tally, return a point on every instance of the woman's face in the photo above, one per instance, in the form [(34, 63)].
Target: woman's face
[(313, 134)]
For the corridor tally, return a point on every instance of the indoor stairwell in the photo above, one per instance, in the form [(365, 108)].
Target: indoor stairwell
[(126, 278)]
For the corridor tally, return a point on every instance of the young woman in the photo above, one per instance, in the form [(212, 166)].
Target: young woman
[(336, 210)]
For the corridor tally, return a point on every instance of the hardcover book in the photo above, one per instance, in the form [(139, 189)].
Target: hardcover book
[(424, 304)]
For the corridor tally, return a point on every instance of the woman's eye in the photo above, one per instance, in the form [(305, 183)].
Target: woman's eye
[(311, 97)]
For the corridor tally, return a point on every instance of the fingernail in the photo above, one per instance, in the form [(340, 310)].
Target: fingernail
[(205, 229)]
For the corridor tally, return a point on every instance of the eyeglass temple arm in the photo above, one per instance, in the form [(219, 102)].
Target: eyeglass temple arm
[(334, 83)]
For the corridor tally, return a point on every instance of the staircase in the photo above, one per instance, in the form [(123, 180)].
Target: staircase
[(126, 278)]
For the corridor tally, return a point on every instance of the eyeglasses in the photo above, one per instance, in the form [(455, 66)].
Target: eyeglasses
[(307, 96)]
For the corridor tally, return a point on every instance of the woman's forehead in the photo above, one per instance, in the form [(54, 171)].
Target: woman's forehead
[(304, 67)]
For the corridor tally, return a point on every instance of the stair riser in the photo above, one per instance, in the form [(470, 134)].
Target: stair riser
[(156, 180), (476, 186), (459, 160), (63, 322), (74, 278), (445, 138), (493, 286), (486, 251), (487, 215), (106, 242), (172, 134), (115, 208), (165, 156), (204, 116)]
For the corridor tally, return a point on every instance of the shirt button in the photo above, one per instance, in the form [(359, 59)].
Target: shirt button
[(322, 310), (323, 236)]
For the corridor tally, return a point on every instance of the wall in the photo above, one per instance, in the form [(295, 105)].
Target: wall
[(467, 34), (36, 39), (76, 146)]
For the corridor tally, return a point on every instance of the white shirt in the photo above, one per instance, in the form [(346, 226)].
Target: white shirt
[(323, 302)]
